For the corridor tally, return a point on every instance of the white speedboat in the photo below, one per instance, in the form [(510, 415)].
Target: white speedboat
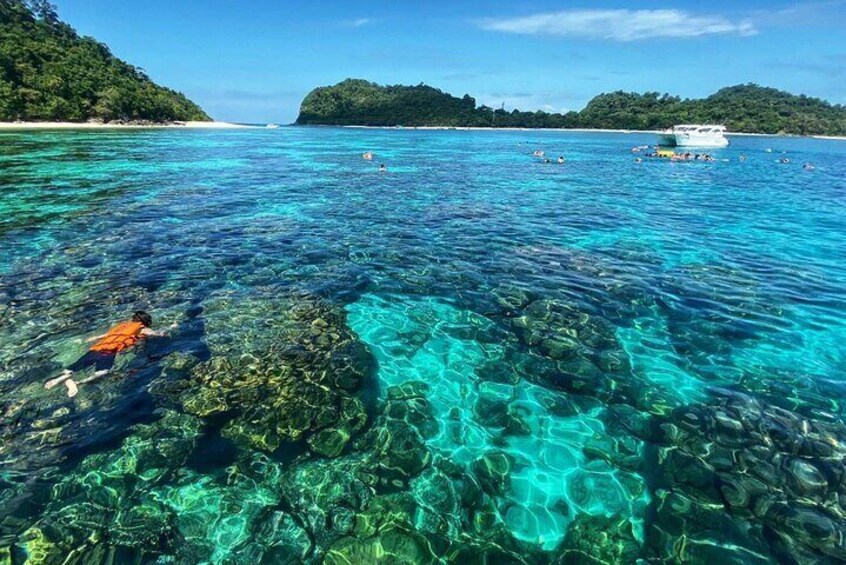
[(693, 135)]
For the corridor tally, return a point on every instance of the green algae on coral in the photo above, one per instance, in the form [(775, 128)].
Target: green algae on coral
[(289, 376)]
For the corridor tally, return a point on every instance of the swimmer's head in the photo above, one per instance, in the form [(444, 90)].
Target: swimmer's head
[(142, 317)]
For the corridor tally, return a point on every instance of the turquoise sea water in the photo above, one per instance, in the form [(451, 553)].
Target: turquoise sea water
[(476, 356)]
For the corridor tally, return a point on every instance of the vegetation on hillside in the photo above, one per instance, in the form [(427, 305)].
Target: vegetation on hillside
[(48, 72), (359, 102), (743, 108)]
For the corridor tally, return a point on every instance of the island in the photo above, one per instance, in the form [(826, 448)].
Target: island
[(48, 73), (747, 108)]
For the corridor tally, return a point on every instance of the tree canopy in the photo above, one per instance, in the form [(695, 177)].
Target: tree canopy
[(48, 72), (743, 108)]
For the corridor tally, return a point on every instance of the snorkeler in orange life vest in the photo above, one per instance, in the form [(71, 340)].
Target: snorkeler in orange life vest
[(101, 355)]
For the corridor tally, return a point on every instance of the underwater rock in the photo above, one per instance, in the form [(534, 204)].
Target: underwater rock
[(387, 510), (573, 330), (686, 529), (598, 540), (493, 470), (491, 410), (329, 442), (711, 309), (290, 373), (511, 300), (318, 489), (391, 546), (805, 478), (813, 396), (498, 372), (622, 420), (774, 467), (400, 453), (579, 352), (283, 539), (623, 452), (39, 549), (105, 503), (809, 527), (408, 390), (740, 491), (395, 447), (408, 402), (516, 425), (482, 554), (178, 361)]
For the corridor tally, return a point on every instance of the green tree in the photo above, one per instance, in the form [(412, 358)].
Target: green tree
[(748, 108), (48, 72)]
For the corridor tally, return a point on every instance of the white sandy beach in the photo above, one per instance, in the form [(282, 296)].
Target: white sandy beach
[(98, 125), (468, 128)]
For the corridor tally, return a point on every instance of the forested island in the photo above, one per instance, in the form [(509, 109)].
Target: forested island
[(743, 108), (49, 73)]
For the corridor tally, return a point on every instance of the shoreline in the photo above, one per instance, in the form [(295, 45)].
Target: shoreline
[(574, 130), (15, 126), (24, 126)]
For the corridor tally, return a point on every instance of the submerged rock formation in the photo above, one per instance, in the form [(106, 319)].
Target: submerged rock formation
[(778, 475), (290, 373)]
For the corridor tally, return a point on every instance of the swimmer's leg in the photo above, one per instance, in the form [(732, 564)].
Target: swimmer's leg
[(90, 359), (66, 374), (72, 388), (95, 376)]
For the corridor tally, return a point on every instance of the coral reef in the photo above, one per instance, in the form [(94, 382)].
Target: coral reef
[(289, 374), (779, 475)]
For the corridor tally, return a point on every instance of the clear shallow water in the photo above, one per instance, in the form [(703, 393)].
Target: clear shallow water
[(474, 354)]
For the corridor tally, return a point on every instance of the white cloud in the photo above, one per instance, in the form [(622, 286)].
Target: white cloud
[(359, 22), (619, 25)]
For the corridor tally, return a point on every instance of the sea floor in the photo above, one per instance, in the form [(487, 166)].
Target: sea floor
[(475, 357)]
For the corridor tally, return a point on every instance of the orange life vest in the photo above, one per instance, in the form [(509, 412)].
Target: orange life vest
[(119, 337)]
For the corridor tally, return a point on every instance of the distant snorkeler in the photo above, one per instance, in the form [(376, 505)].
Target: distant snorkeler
[(383, 168), (561, 160), (784, 160), (367, 156), (808, 167), (538, 153), (743, 157), (101, 356)]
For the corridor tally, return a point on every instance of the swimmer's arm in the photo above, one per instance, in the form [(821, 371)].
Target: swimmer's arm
[(147, 332)]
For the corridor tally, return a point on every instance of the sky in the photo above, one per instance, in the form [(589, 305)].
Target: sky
[(254, 60)]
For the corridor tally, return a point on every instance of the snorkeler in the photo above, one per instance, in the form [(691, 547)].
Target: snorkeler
[(383, 168), (808, 167), (101, 355), (367, 156), (561, 160)]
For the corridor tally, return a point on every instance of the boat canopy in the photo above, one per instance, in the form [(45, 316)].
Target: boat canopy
[(707, 128)]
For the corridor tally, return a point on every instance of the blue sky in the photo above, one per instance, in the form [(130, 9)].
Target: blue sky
[(253, 61)]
